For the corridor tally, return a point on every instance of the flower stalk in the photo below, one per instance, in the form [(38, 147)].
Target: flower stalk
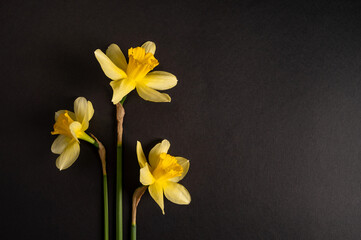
[(138, 193), (102, 156), (119, 173), (125, 77)]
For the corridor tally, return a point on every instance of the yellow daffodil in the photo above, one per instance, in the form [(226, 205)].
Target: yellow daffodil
[(163, 173), (135, 74), (71, 127)]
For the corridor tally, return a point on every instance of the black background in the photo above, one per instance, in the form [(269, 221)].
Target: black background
[(267, 108)]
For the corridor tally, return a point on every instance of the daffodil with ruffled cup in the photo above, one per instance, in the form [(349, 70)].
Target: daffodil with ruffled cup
[(135, 74), (71, 127), (162, 174)]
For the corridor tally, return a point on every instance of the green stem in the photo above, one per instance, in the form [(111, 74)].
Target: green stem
[(119, 195), (119, 172), (133, 232), (123, 100), (102, 156), (89, 139), (95, 144), (106, 208)]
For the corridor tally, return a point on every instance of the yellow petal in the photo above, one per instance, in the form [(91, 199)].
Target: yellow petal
[(109, 68), (68, 157), (60, 143), (176, 193), (83, 109), (117, 56), (121, 88), (71, 114), (90, 110), (140, 154), (185, 165), (156, 192), (154, 154), (160, 80), (146, 177), (75, 129), (149, 47), (152, 95)]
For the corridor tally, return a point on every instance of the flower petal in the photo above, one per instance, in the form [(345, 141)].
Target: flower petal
[(152, 95), (121, 88), (68, 157), (160, 80), (185, 165), (154, 154), (140, 154), (117, 56), (149, 46), (109, 68), (83, 109), (90, 110), (75, 129), (146, 177), (60, 143), (176, 193), (156, 192), (71, 114)]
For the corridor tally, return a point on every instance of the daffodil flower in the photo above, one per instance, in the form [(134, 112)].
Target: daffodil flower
[(71, 127), (135, 74), (163, 173)]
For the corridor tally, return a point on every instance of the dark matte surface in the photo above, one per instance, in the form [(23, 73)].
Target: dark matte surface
[(268, 109)]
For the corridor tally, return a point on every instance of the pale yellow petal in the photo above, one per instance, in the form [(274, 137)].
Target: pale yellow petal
[(109, 68), (81, 109), (121, 88), (160, 80), (156, 192), (60, 143), (152, 95), (146, 177), (90, 110), (69, 155), (185, 165), (176, 193), (140, 154), (149, 47), (154, 154), (117, 56), (75, 129), (71, 114)]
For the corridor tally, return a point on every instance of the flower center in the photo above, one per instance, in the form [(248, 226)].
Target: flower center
[(167, 168), (140, 63), (62, 124)]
